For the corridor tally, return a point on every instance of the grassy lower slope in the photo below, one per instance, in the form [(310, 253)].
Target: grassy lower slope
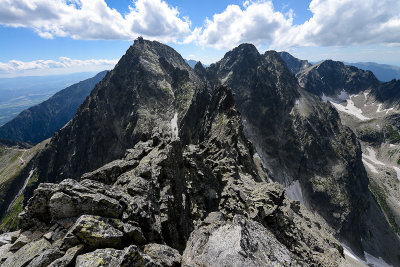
[(12, 161)]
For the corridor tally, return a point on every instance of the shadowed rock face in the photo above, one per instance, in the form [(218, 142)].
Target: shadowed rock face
[(164, 199), (297, 136), (147, 87), (331, 77), (370, 109), (295, 65), (163, 154), (388, 93)]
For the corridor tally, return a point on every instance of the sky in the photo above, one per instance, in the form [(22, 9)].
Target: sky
[(43, 37)]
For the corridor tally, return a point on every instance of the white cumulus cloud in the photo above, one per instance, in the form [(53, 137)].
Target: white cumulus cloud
[(94, 19), (346, 23), (333, 23), (255, 22)]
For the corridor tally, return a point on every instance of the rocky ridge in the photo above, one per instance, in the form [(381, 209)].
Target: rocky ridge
[(170, 167), (167, 204), (294, 64), (291, 148)]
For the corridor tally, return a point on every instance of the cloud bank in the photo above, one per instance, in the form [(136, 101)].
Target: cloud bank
[(63, 65), (333, 22)]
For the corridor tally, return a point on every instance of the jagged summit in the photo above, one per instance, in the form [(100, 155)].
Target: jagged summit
[(294, 64), (330, 77), (149, 85)]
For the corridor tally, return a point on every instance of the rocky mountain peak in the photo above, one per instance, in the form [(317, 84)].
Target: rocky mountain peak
[(150, 86), (294, 64), (330, 77)]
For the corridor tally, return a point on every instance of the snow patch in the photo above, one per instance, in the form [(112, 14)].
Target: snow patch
[(370, 166), (325, 98), (379, 109), (174, 126), (373, 261), (372, 157), (343, 95), (350, 109), (369, 259), (348, 252), (392, 145), (293, 191)]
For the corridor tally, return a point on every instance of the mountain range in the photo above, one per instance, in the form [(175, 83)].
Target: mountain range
[(240, 163), (40, 122), (383, 72)]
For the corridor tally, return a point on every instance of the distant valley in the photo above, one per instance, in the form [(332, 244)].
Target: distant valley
[(19, 93)]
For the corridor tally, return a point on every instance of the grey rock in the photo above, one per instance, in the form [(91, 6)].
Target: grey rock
[(199, 191), (48, 236), (25, 254), (162, 254), (96, 232), (295, 65), (130, 256), (20, 242), (241, 242), (5, 252), (45, 258), (68, 258), (100, 257), (8, 238), (109, 172)]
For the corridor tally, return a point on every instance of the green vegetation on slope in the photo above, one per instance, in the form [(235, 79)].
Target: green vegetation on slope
[(12, 161), (393, 133), (10, 221), (381, 196)]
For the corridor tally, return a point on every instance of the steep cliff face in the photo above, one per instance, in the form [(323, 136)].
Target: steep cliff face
[(301, 140), (150, 86), (388, 93), (330, 77), (295, 65), (166, 204), (370, 109)]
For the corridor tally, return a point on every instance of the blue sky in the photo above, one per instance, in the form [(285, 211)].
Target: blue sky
[(42, 37)]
